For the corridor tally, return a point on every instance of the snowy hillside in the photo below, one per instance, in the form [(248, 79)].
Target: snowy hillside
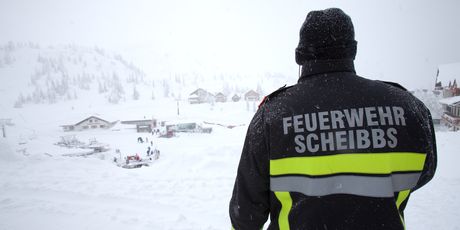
[(34, 74)]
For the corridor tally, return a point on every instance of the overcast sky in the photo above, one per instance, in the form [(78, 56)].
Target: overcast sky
[(398, 40)]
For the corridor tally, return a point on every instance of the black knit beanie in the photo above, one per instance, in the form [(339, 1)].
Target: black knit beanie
[(326, 34)]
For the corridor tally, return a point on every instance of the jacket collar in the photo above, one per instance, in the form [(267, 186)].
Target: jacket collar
[(315, 67)]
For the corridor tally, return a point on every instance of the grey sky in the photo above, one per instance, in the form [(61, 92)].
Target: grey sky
[(400, 41)]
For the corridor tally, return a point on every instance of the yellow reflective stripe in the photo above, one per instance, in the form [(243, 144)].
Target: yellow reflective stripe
[(372, 163), (402, 196), (286, 204)]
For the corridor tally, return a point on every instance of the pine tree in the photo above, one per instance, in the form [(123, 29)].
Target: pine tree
[(17, 104), (259, 89), (135, 93), (100, 87), (165, 88), (20, 101), (117, 91)]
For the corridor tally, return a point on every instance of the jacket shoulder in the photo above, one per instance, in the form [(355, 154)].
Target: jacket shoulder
[(274, 94), (394, 84)]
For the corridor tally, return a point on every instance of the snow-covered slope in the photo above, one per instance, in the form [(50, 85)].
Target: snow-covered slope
[(34, 74)]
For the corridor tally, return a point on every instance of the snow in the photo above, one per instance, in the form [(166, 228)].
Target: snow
[(436, 205), (189, 187), (66, 73), (450, 100), (431, 101)]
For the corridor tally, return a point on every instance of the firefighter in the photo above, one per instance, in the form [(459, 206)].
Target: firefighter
[(335, 150)]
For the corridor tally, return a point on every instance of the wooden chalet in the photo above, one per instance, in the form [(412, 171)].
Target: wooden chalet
[(251, 95), (451, 116), (220, 97), (89, 123), (200, 96)]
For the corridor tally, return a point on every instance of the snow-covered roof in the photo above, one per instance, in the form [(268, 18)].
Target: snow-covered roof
[(251, 93), (199, 91), (90, 118), (450, 100)]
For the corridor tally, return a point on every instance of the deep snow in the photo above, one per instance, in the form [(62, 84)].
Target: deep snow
[(189, 187)]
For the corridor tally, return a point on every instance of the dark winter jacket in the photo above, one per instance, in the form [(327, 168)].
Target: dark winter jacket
[(334, 151)]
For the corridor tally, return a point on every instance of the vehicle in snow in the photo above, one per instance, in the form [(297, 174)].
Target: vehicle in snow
[(135, 161), (167, 134)]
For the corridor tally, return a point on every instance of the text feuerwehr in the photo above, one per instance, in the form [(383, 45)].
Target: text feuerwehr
[(346, 129)]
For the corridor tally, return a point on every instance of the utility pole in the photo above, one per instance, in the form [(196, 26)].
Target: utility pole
[(177, 107), (436, 80)]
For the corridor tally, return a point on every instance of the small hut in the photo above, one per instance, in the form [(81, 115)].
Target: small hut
[(236, 98), (251, 95), (220, 97)]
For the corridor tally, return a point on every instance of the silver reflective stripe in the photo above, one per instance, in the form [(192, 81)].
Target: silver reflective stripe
[(373, 186)]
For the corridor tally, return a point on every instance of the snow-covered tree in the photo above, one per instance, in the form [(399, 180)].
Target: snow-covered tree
[(51, 96), (114, 97), (117, 91), (259, 89), (8, 59), (226, 88), (100, 89), (17, 104), (166, 88), (135, 93), (431, 101), (20, 101)]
